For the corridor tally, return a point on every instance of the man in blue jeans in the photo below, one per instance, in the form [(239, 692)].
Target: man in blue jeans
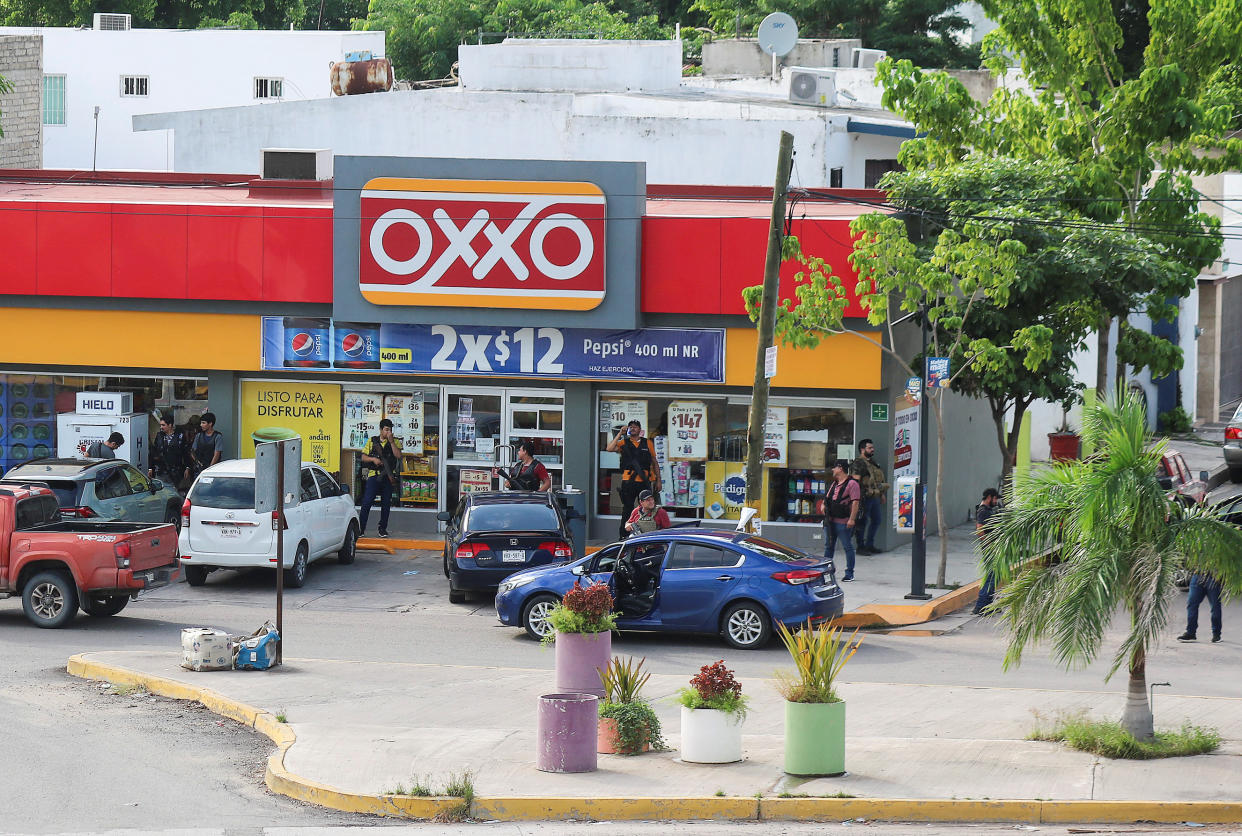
[(1202, 585), (382, 463), (871, 486), (841, 515)]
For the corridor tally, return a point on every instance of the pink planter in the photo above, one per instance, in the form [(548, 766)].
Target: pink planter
[(579, 659), (567, 732)]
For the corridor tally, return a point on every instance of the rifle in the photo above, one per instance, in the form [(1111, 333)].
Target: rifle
[(384, 464)]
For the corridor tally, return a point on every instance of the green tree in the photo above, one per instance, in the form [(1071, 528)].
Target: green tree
[(964, 271), (422, 37), (1115, 541), (72, 12), (1135, 132), (5, 87)]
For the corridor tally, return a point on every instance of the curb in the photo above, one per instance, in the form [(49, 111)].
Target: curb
[(721, 808), (901, 615)]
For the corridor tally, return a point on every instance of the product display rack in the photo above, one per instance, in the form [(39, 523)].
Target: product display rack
[(796, 495)]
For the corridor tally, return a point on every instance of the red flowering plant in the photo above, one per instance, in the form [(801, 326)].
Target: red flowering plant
[(714, 686), (584, 609)]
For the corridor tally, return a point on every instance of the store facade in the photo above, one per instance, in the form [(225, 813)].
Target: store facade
[(474, 303)]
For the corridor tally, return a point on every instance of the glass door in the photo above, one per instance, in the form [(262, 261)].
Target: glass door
[(537, 416), (471, 432)]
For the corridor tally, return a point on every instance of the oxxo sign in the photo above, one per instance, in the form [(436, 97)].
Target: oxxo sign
[(482, 243)]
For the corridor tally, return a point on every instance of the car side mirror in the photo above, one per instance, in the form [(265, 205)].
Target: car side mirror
[(1204, 476), (156, 485), (579, 570), (444, 516), (342, 490)]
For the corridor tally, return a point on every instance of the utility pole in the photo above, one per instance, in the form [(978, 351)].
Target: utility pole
[(767, 326), (918, 549)]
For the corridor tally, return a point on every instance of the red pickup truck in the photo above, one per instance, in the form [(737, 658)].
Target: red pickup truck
[(57, 566)]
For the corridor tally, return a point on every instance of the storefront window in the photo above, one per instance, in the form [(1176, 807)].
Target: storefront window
[(701, 446), (31, 403), (415, 415)]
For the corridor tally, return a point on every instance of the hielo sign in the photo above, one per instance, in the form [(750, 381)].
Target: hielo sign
[(482, 243)]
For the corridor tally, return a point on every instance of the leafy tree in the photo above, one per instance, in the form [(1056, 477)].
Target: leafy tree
[(1116, 541), (965, 271), (1135, 132), (5, 87), (72, 12), (927, 32)]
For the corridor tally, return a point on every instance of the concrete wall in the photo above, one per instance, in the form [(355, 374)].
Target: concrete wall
[(578, 65), (744, 57), (687, 137), (21, 61), (187, 70)]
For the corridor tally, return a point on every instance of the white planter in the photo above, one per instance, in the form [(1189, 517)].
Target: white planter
[(710, 736)]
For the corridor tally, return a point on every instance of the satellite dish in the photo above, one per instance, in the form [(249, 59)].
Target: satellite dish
[(778, 34)]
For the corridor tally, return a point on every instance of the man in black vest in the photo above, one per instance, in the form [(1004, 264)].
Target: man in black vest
[(382, 461), (640, 471), (527, 473)]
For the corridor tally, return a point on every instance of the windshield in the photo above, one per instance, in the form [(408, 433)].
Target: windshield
[(66, 492), (512, 517), (232, 492), (774, 550)]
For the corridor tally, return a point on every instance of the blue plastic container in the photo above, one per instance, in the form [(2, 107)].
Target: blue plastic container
[(257, 654)]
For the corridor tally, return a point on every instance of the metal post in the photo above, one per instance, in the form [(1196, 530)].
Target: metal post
[(918, 549), (280, 550)]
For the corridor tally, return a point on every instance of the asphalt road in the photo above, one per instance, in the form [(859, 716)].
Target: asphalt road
[(78, 758)]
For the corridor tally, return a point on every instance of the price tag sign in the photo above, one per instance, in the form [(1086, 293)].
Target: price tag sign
[(769, 362), (687, 431)]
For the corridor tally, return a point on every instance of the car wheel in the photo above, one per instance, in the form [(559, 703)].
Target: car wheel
[(105, 606), (349, 549), (446, 571), (196, 575), (746, 626), (295, 578), (50, 599), (535, 616), (173, 517)]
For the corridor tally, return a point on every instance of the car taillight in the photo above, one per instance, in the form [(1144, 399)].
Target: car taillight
[(798, 576), (469, 550), (185, 511), (559, 548), (1233, 433), (81, 512), (122, 552)]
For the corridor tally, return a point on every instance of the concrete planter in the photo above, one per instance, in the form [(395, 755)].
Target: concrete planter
[(566, 733), (608, 741), (710, 736), (814, 738), (579, 659)]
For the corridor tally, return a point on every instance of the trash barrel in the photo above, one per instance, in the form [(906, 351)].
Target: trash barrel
[(567, 728), (573, 502)]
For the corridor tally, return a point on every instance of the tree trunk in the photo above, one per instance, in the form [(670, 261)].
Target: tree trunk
[(1137, 718), (1008, 441), (1101, 361), (940, 527)]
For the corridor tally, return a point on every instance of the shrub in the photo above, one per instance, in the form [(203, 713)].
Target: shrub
[(818, 655), (637, 724), (583, 610), (714, 686), (1111, 740)]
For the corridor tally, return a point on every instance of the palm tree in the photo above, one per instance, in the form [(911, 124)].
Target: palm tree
[(1081, 539)]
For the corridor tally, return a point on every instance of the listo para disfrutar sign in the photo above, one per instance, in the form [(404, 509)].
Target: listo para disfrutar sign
[(482, 243)]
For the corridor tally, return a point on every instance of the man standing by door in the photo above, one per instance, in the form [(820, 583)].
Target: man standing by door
[(640, 470), (170, 454), (208, 447), (382, 462), (871, 482), (841, 515)]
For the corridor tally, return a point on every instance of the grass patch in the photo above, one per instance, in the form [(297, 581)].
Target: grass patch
[(720, 793), (824, 795), (460, 785), (132, 689), (282, 718), (420, 787), (1110, 740)]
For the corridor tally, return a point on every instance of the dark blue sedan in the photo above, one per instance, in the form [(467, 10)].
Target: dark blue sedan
[(687, 581)]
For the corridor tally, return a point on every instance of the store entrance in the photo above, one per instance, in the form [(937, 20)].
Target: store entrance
[(481, 423)]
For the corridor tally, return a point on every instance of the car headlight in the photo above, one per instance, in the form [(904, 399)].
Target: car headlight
[(513, 583)]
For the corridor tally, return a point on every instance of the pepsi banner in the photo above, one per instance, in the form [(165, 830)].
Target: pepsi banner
[(669, 354)]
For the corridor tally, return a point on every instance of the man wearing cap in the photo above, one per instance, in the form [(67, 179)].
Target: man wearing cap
[(640, 470), (988, 507), (647, 517), (105, 449)]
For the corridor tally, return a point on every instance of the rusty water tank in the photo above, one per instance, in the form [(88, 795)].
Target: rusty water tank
[(351, 78)]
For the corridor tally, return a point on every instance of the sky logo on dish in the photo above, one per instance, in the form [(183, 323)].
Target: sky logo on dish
[(482, 243)]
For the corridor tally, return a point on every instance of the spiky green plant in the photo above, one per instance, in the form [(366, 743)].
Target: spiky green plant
[(1115, 540), (623, 679), (819, 654)]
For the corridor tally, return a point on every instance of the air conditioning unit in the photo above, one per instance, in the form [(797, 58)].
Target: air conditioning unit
[(111, 22), (296, 163), (812, 86), (868, 58)]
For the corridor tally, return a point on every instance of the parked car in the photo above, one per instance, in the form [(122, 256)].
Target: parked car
[(58, 565), (1175, 477), (687, 580), (102, 489), (493, 534), (220, 529), (1233, 445)]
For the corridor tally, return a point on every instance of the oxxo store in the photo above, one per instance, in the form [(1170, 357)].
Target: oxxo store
[(477, 304)]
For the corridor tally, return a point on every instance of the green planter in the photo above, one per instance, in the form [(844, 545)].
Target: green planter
[(814, 738)]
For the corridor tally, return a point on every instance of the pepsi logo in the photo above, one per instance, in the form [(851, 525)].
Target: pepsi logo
[(302, 344), (353, 345)]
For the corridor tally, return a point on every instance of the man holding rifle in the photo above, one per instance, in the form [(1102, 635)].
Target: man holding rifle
[(383, 462)]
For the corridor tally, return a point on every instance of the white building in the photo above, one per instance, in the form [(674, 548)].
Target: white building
[(97, 80)]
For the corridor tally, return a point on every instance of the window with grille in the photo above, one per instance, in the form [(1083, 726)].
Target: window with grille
[(134, 85), (53, 100), (268, 88)]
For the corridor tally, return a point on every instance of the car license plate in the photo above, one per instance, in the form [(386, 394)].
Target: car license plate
[(230, 531), (513, 556)]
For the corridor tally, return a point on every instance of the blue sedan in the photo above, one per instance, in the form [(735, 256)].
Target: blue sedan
[(687, 581)]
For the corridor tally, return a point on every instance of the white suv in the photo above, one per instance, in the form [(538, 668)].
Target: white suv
[(220, 529)]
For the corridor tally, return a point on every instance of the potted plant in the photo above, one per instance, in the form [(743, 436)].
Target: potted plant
[(712, 711), (627, 723), (1063, 445), (814, 713), (582, 626)]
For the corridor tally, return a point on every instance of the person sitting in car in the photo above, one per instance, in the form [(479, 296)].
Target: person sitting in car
[(646, 516)]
